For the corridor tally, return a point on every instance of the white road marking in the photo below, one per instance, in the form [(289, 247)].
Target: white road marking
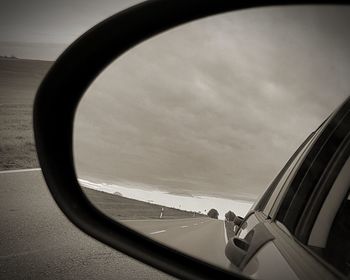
[(19, 170), (225, 233), (156, 220), (183, 226), (195, 224), (159, 231)]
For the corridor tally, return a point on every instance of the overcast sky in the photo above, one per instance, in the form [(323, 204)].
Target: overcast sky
[(42, 29), (216, 106)]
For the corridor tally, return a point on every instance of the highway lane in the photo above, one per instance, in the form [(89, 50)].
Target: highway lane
[(38, 242), (203, 238)]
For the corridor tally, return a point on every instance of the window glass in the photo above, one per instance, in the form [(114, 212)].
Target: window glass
[(300, 158), (297, 200), (330, 235), (286, 175), (337, 251)]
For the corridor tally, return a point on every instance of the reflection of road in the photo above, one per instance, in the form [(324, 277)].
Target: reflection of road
[(200, 237), (38, 242)]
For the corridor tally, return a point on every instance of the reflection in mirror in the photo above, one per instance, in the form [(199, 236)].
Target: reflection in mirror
[(181, 135)]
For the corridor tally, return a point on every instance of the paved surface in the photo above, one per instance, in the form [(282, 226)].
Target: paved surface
[(38, 242), (200, 237)]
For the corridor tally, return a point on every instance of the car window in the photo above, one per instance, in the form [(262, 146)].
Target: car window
[(260, 205), (283, 180), (337, 251), (268, 199), (282, 185), (330, 236), (302, 190)]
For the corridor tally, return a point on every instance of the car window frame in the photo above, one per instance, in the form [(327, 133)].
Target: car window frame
[(291, 176), (324, 186), (280, 188), (261, 204), (293, 163), (266, 196), (289, 209), (283, 236), (336, 121)]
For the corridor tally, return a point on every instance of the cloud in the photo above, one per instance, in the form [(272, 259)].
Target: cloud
[(218, 105)]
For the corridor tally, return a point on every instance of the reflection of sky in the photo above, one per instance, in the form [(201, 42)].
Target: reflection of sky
[(189, 203), (217, 105)]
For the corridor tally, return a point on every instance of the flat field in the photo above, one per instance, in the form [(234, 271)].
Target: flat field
[(19, 80)]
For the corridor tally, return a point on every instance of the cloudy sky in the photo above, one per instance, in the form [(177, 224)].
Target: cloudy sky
[(216, 106), (42, 29)]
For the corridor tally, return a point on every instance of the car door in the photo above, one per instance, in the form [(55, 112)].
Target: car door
[(265, 261), (279, 229)]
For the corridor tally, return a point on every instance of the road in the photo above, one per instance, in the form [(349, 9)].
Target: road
[(200, 237), (37, 241)]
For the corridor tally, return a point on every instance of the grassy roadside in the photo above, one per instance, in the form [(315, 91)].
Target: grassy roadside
[(19, 80), (120, 208)]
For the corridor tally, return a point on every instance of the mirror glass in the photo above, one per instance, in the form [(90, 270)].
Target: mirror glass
[(197, 121)]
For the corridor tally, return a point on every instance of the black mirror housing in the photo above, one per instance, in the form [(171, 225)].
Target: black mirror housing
[(58, 97)]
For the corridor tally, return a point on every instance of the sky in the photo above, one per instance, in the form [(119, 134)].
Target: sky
[(42, 29), (214, 107), (217, 106)]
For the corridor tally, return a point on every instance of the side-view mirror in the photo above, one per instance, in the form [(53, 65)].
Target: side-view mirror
[(238, 221), (236, 250), (240, 250), (145, 172)]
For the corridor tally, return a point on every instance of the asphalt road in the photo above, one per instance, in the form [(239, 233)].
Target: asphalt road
[(203, 238), (37, 241)]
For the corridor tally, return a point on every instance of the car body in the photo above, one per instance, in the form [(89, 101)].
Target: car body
[(299, 228)]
